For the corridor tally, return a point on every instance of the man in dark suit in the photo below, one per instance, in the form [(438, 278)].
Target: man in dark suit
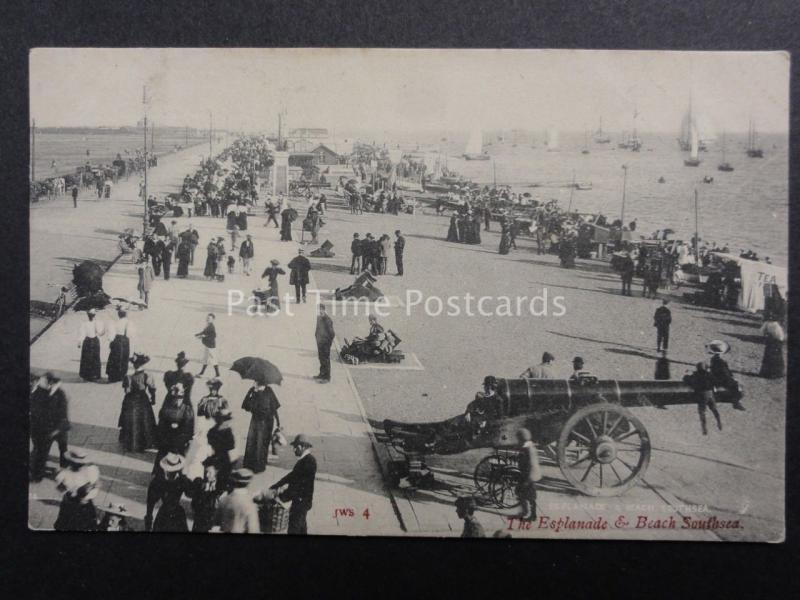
[(49, 423), (399, 245), (299, 485), (324, 335), (355, 250), (626, 272), (661, 321), (299, 275)]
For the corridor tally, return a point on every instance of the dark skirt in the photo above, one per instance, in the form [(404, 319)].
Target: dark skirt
[(772, 365), (74, 516), (211, 266), (118, 357), (90, 359), (170, 517), (286, 231), (452, 234), (183, 267), (258, 441), (505, 244), (137, 423)]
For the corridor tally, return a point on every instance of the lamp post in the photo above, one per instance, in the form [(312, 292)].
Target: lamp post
[(624, 185)]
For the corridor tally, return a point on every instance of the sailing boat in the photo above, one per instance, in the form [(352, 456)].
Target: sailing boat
[(724, 165), (693, 160), (552, 140), (690, 120), (474, 149), (599, 136), (634, 143), (753, 151), (585, 143)]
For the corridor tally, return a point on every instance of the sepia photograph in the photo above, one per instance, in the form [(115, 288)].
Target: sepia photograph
[(526, 294)]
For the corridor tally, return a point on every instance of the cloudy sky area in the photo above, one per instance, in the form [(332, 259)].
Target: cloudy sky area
[(409, 90)]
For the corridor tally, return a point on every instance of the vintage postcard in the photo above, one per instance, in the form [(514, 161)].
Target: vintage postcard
[(537, 294)]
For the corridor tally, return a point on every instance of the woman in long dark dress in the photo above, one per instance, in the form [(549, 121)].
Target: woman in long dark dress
[(772, 365), (136, 420), (211, 260), (271, 273), (505, 239), (168, 486), (476, 229), (184, 253), (175, 425), (222, 442), (452, 232), (205, 493), (119, 349), (78, 482), (263, 406), (91, 331), (286, 225)]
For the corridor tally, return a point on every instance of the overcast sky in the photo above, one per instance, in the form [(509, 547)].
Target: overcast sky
[(454, 90)]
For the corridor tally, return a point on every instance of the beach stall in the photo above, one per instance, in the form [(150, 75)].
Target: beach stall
[(757, 281)]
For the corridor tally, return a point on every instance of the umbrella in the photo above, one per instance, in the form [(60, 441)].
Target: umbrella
[(257, 369)]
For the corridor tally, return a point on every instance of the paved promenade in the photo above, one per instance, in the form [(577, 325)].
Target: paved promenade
[(62, 236), (348, 478)]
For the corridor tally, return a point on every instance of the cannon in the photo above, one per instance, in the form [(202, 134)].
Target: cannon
[(601, 448), (363, 288)]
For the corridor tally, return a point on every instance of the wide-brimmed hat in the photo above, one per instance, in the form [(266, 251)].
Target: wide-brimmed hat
[(524, 434), (466, 502), (171, 462), (301, 440), (241, 477), (718, 347), (76, 457), (274, 262), (139, 359), (214, 382), (181, 359)]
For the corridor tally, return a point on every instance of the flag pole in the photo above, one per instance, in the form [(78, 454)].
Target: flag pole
[(144, 190), (696, 231)]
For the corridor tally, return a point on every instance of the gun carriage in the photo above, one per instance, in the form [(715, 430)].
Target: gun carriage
[(586, 426)]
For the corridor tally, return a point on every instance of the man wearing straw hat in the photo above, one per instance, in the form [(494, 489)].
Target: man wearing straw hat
[(299, 485)]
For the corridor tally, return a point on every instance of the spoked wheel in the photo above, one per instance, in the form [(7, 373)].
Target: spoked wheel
[(603, 450), (503, 487), (486, 469)]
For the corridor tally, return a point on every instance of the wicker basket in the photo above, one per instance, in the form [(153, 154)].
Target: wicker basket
[(273, 516)]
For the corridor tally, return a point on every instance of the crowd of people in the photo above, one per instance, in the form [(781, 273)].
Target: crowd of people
[(370, 254)]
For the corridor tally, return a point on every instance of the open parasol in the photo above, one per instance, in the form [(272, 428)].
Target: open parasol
[(257, 369)]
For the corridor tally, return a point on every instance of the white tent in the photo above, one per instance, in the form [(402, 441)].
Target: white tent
[(756, 275)]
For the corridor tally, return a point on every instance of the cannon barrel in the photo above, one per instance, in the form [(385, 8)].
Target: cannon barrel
[(529, 396), (543, 405)]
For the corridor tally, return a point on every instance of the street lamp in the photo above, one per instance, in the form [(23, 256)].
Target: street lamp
[(624, 185)]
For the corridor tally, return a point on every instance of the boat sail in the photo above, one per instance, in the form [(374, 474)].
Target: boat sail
[(585, 143), (692, 120), (552, 140), (474, 149), (693, 159), (753, 151), (600, 137)]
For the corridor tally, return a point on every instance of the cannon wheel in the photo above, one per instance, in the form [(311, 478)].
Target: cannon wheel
[(485, 469), (603, 450), (503, 487)]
